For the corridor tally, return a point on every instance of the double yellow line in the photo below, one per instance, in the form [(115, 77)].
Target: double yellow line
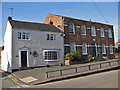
[(15, 80), (12, 78)]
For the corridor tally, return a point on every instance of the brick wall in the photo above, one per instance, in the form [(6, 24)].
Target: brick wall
[(79, 39)]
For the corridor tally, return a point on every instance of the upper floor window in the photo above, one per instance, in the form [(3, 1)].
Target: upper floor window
[(72, 47), (93, 31), (103, 49), (84, 49), (111, 49), (51, 37), (102, 32), (109, 33), (71, 28), (24, 36), (83, 30)]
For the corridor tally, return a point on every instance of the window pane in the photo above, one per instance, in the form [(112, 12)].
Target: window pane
[(109, 33), (23, 35), (48, 38), (27, 35), (83, 29), (54, 37), (51, 55), (93, 31), (19, 35), (84, 48), (71, 28), (102, 32), (51, 36)]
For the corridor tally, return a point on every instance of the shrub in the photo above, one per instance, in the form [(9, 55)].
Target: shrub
[(73, 55)]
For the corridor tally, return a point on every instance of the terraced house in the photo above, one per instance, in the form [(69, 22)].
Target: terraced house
[(90, 38), (31, 44)]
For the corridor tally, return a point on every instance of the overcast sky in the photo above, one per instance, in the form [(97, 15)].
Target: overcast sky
[(37, 11)]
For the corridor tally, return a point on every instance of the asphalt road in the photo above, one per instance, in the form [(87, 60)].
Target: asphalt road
[(100, 80)]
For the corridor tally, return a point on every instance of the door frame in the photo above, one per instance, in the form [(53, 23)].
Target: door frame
[(20, 50), (95, 49)]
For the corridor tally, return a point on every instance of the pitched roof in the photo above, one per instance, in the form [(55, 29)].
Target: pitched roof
[(81, 19), (33, 26)]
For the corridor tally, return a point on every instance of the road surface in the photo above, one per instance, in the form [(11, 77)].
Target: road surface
[(100, 80)]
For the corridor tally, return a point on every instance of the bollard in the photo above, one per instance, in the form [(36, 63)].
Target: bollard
[(76, 70), (100, 65), (109, 64), (89, 67), (47, 74), (61, 72)]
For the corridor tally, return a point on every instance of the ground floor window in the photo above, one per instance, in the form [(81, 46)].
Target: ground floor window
[(111, 49), (84, 49), (72, 47), (103, 49), (51, 55)]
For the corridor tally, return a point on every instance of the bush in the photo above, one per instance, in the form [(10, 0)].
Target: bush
[(73, 56)]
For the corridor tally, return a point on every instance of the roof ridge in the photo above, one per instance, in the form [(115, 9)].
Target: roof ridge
[(81, 19), (29, 22)]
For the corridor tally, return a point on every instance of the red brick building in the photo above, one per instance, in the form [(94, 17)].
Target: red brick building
[(90, 38)]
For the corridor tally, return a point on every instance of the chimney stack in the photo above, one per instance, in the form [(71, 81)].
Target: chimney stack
[(9, 18), (89, 20)]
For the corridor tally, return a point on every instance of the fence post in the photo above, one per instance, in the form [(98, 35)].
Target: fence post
[(100, 65), (47, 74), (118, 62), (76, 69), (89, 67), (109, 64), (61, 72)]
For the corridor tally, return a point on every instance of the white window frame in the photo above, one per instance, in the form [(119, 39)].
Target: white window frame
[(111, 49), (103, 49), (93, 31), (83, 30), (74, 47), (51, 35), (71, 27), (84, 49), (109, 33), (102, 34), (58, 55), (25, 33)]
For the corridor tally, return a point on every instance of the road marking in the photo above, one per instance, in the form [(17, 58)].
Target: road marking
[(29, 79), (12, 78)]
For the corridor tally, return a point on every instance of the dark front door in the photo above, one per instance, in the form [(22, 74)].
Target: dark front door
[(24, 58), (94, 50)]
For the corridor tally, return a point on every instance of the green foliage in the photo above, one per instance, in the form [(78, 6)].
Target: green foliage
[(73, 55)]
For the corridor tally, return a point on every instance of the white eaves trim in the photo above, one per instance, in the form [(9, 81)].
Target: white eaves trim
[(98, 29), (88, 28), (77, 26), (65, 25)]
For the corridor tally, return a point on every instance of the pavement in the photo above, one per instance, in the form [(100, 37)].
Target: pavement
[(99, 80), (38, 75)]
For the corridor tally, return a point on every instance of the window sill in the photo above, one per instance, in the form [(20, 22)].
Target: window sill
[(110, 37), (93, 35), (84, 34), (72, 33), (102, 36), (23, 39), (84, 54), (51, 60), (111, 53)]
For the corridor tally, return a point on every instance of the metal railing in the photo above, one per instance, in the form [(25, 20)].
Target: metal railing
[(76, 68)]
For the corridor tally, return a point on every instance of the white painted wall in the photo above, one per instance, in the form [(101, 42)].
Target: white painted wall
[(7, 53), (37, 43)]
